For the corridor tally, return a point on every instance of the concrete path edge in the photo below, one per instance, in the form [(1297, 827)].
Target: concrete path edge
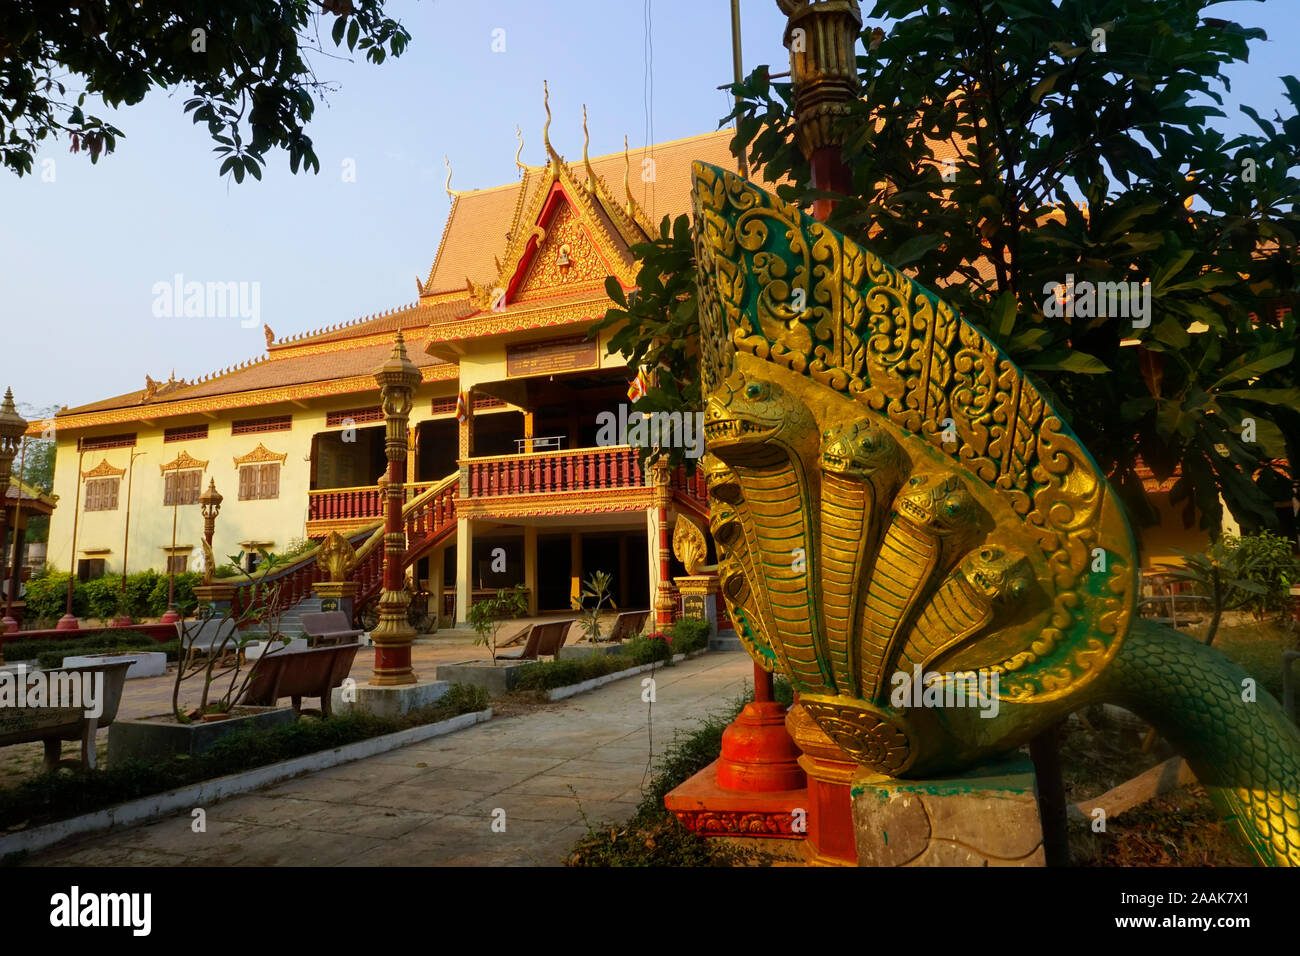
[(571, 690), (219, 788)]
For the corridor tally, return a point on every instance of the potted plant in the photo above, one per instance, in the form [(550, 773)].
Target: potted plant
[(486, 617), (219, 675), (596, 589)]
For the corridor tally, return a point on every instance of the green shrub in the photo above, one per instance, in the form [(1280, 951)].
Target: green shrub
[(647, 649), (1264, 559), (139, 587), (185, 600), (103, 596), (689, 634), (46, 596), (63, 794)]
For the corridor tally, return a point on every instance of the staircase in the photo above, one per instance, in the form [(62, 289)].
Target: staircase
[(429, 520)]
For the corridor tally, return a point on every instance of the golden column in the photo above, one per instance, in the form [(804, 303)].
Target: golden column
[(666, 598), (12, 428), (393, 636), (211, 596)]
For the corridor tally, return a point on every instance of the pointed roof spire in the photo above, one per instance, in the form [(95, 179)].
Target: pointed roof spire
[(546, 130), (451, 193), (519, 135), (586, 158)]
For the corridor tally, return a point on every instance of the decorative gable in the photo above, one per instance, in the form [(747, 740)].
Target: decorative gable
[(566, 258)]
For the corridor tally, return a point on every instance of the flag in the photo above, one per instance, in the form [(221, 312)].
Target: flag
[(462, 406), (639, 386)]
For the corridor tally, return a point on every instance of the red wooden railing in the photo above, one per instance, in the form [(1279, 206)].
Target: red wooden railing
[(582, 469), (693, 489), (349, 504)]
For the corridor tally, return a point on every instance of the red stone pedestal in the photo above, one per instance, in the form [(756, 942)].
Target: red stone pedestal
[(67, 623), (704, 807)]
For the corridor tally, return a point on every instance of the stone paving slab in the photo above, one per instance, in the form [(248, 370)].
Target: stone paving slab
[(434, 803)]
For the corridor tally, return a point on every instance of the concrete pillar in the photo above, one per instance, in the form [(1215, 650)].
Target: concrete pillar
[(437, 563), (529, 433), (530, 566), (464, 569)]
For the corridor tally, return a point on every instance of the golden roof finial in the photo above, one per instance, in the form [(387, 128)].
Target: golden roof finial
[(586, 159), (519, 135), (447, 161), (627, 176), (546, 130)]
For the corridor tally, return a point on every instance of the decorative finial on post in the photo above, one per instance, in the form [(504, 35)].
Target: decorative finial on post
[(12, 428)]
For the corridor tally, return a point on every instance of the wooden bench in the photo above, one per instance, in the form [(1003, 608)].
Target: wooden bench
[(330, 627), (544, 639), (627, 624), (53, 725), (314, 672)]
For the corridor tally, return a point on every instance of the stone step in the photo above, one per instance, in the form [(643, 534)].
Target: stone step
[(725, 641)]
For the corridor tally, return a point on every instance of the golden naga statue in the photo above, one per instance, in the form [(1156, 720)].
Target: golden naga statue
[(336, 557), (908, 531)]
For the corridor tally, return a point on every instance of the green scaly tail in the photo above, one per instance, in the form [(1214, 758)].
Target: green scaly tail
[(1246, 754)]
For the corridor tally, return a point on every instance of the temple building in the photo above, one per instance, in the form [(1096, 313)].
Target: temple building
[(505, 454), (505, 422)]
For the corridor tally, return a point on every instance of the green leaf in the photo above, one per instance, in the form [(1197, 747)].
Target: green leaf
[(1064, 360)]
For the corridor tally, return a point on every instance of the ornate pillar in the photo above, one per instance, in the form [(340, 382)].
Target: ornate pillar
[(822, 40), (397, 379), (666, 599), (211, 597), (12, 427)]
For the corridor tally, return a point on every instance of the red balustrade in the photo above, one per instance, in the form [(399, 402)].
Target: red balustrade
[(583, 469)]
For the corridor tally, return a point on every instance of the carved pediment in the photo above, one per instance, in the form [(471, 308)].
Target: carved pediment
[(261, 455), (183, 462), (104, 470)]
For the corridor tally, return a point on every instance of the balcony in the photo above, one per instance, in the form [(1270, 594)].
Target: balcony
[(579, 481), (341, 509)]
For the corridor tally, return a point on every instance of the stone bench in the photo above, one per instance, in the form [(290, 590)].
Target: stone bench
[(53, 725), (313, 672)]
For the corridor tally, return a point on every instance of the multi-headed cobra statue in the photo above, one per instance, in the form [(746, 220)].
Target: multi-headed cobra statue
[(891, 495)]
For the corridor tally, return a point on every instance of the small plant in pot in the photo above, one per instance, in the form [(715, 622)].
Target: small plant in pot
[(596, 589), (487, 616), (212, 649)]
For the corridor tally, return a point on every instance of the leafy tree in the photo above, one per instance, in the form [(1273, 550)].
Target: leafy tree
[(247, 62), (1081, 131), (487, 616)]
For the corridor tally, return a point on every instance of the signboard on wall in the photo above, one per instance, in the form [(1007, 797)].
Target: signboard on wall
[(552, 355)]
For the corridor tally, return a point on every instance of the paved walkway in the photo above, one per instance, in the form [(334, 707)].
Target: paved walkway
[(434, 803)]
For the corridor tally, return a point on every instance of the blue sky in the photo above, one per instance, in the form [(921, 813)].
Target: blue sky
[(79, 256)]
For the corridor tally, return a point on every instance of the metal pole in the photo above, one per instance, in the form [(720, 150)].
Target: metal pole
[(122, 617), (738, 71), (171, 617), (69, 621)]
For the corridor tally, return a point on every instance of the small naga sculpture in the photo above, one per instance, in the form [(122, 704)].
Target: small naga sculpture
[(893, 502), (336, 557)]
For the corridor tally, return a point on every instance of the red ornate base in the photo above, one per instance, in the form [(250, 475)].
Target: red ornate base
[(67, 623), (757, 752), (703, 807)]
